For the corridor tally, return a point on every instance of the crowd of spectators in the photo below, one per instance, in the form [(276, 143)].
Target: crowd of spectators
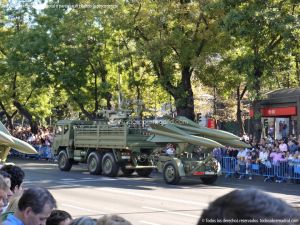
[(267, 153), (43, 137)]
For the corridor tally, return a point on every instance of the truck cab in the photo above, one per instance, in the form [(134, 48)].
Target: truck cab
[(64, 134)]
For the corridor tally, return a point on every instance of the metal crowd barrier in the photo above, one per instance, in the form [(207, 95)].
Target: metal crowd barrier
[(43, 152), (287, 170)]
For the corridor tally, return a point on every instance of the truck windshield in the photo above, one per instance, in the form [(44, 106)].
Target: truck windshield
[(66, 128), (58, 130)]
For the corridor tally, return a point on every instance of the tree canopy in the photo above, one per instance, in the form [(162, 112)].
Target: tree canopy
[(66, 58)]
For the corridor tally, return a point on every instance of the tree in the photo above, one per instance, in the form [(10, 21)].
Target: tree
[(173, 36), (264, 29), (77, 55), (22, 83)]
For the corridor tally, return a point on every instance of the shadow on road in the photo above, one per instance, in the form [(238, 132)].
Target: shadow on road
[(47, 174)]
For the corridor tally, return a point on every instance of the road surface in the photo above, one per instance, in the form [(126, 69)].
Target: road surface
[(143, 201)]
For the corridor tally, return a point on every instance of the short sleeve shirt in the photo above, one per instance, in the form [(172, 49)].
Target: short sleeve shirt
[(12, 220)]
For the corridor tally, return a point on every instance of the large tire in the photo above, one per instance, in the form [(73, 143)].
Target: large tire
[(144, 172), (64, 163), (109, 165), (127, 172), (94, 163), (209, 180), (171, 174)]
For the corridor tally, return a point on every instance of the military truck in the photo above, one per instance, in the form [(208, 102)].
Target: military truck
[(110, 145), (106, 146)]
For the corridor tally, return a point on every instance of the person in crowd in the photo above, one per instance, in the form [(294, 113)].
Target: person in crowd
[(7, 179), (276, 156), (265, 166), (85, 220), (245, 137), (17, 177), (12, 206), (248, 162), (59, 217), (282, 146), (292, 146), (34, 207), (251, 161), (228, 162), (112, 220), (4, 188), (263, 155), (262, 142), (232, 152), (250, 205), (241, 164), (217, 154)]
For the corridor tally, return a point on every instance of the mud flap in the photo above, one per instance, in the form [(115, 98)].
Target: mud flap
[(179, 166)]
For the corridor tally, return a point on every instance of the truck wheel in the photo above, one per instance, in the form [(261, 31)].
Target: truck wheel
[(171, 174), (64, 163), (109, 165), (144, 172), (94, 163), (127, 172), (209, 180)]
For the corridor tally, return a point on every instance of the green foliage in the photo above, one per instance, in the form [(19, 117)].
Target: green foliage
[(61, 60), (265, 30)]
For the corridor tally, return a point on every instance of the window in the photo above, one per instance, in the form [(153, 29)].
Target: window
[(58, 130), (66, 128)]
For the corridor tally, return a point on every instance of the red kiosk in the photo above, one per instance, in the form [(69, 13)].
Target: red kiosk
[(279, 113)]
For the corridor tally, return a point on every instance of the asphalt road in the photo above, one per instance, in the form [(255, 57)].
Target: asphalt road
[(143, 201)]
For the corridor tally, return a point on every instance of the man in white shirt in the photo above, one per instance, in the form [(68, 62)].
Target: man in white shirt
[(263, 155)]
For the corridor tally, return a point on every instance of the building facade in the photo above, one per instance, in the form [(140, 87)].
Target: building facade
[(280, 112)]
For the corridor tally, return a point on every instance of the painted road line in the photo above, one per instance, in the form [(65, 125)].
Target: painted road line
[(146, 222), (83, 209), (92, 180), (168, 211), (154, 197)]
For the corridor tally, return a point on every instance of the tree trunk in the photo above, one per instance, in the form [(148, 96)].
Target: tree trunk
[(256, 106), (90, 116), (8, 117), (23, 111), (239, 110), (257, 126), (108, 98), (184, 98), (239, 113), (257, 129)]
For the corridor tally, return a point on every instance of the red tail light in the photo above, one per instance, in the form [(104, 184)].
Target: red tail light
[(198, 173)]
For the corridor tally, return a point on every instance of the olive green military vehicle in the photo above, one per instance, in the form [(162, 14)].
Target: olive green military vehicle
[(106, 146), (191, 149), (111, 145)]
